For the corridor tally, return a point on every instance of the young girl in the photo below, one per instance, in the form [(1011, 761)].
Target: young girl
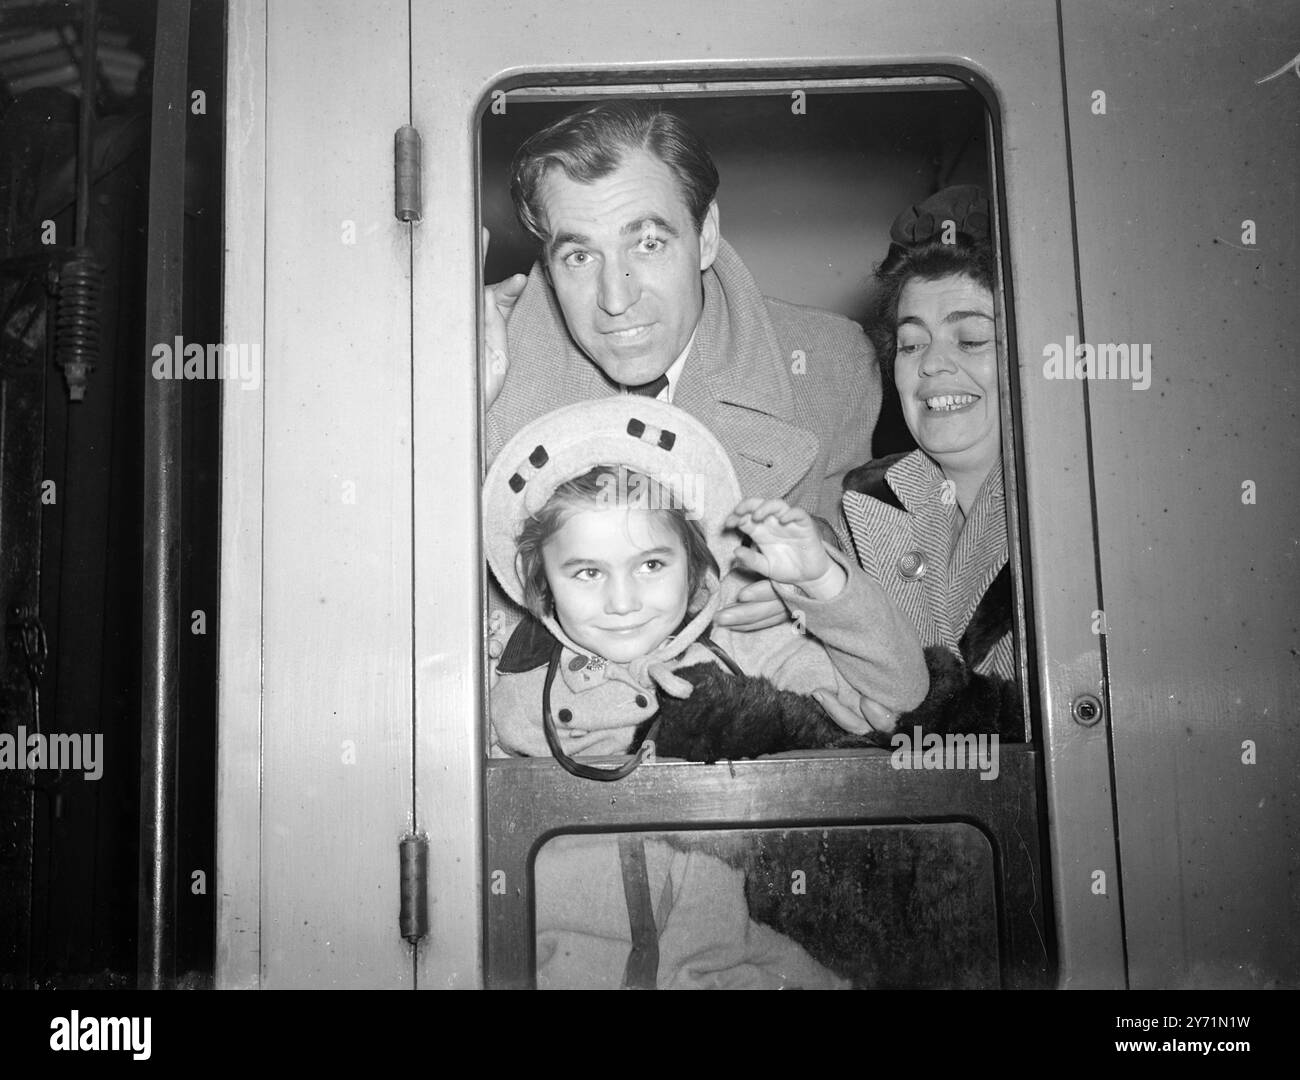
[(618, 525)]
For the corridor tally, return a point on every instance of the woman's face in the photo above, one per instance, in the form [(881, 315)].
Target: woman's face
[(946, 371)]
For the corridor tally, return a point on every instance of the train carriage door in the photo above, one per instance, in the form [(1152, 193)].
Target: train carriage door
[(465, 63), (1184, 142), (315, 707)]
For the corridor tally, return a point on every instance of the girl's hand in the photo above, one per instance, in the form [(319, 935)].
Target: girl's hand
[(787, 547)]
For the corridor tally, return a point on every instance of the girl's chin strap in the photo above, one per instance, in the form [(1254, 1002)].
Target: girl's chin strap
[(594, 772), (587, 772)]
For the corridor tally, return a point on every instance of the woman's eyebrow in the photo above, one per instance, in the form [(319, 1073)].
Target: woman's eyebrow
[(957, 316)]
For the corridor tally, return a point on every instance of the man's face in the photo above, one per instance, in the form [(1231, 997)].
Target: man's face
[(625, 260)]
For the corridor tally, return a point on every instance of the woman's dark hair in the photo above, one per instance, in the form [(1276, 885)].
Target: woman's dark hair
[(591, 143), (930, 261), (608, 486)]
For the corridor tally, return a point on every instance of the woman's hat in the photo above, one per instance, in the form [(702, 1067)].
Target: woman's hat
[(965, 205)]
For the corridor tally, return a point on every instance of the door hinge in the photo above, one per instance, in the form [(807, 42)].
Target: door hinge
[(413, 858), (406, 174)]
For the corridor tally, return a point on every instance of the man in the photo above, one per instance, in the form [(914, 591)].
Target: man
[(636, 291)]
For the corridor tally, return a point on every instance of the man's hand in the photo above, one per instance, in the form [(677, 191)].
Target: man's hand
[(498, 302), (874, 716), (756, 608), (497, 638), (787, 547)]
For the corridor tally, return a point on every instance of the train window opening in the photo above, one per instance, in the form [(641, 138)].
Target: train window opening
[(814, 177)]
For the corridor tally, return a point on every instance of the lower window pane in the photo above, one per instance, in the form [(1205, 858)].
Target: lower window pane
[(812, 908)]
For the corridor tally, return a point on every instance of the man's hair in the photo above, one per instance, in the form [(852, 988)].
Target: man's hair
[(931, 261), (591, 143), (601, 487)]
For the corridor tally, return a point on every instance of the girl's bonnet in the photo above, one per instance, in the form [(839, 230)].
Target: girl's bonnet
[(646, 435)]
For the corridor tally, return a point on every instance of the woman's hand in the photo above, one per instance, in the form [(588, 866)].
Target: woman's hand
[(787, 547)]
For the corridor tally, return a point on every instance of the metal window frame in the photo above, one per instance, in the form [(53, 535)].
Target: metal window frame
[(551, 802)]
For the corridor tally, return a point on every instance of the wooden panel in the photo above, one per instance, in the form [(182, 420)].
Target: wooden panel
[(1199, 586), (336, 582), (239, 683), (458, 60)]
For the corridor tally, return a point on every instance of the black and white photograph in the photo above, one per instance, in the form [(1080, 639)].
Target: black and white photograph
[(596, 496)]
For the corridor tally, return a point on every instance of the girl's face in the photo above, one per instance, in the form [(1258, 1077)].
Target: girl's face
[(946, 371), (619, 578)]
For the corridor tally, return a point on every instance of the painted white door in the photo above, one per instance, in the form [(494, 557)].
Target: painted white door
[(315, 721), (461, 60), (351, 668)]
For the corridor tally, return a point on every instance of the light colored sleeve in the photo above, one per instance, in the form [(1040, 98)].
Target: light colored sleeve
[(857, 645)]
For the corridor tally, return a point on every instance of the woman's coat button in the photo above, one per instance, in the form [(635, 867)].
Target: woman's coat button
[(912, 565)]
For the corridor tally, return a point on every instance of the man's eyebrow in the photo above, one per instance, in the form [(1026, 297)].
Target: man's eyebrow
[(560, 239), (639, 225), (635, 227)]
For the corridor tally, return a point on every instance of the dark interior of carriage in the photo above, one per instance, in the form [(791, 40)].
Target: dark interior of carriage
[(74, 452)]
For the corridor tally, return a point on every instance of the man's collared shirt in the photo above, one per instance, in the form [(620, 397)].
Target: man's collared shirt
[(674, 372)]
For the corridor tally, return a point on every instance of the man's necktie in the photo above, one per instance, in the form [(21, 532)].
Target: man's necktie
[(650, 389)]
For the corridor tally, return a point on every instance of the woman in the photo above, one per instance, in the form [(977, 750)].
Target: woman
[(930, 525)]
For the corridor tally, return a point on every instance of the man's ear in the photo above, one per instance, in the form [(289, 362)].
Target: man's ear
[(709, 236)]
